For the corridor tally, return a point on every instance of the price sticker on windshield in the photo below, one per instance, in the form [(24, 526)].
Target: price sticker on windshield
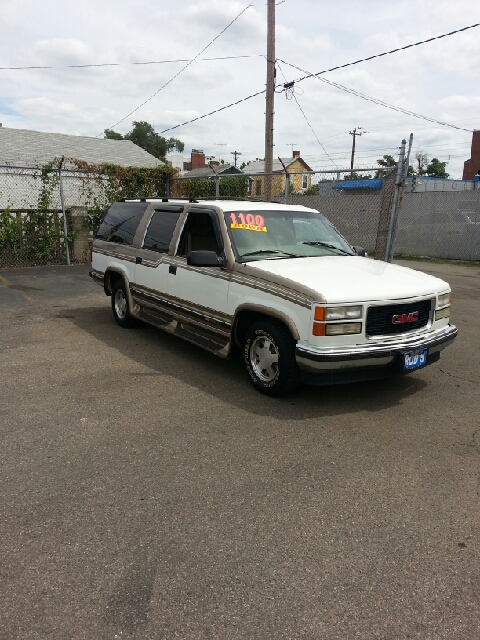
[(248, 222)]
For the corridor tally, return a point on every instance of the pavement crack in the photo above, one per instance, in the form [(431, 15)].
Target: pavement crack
[(452, 375)]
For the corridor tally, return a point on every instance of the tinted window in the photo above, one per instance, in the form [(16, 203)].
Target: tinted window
[(160, 230), (121, 221)]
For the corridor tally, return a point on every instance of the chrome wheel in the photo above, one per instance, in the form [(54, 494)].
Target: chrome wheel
[(120, 304), (264, 358)]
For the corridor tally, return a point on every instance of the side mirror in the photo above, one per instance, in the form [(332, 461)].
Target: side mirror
[(204, 259), (360, 251)]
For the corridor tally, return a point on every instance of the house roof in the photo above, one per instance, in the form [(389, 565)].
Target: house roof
[(259, 165), (206, 172), (24, 146)]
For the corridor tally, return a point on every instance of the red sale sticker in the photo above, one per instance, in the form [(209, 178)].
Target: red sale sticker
[(249, 222)]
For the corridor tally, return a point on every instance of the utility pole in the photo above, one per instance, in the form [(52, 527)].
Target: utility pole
[(235, 154), (354, 133), (269, 100)]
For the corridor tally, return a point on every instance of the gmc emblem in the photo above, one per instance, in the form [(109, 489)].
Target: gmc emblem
[(405, 317)]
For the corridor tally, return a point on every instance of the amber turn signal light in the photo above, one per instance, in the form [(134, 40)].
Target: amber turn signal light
[(318, 329), (320, 315)]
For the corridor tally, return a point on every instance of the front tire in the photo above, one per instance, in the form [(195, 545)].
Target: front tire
[(120, 309), (269, 357)]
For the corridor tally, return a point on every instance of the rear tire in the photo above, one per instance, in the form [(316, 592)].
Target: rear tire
[(120, 309), (269, 357)]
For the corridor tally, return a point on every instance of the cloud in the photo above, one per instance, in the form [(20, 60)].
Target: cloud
[(62, 51), (436, 79)]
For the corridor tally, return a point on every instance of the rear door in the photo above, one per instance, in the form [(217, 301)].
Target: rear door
[(150, 286)]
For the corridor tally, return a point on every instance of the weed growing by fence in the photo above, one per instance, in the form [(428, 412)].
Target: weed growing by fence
[(9, 231), (40, 227)]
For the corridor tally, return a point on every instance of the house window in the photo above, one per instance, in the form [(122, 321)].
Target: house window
[(305, 181), (258, 187)]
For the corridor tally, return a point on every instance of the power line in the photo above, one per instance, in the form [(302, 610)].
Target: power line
[(382, 103), (306, 119), (124, 64), (205, 115), (402, 128), (385, 53), (259, 93), (183, 68)]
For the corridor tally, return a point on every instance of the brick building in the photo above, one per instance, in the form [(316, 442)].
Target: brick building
[(472, 166)]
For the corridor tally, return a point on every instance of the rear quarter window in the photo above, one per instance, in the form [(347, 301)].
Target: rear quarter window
[(121, 221)]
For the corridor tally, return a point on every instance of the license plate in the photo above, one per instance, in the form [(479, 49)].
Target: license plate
[(415, 359)]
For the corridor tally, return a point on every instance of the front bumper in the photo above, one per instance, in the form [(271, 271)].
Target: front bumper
[(382, 356)]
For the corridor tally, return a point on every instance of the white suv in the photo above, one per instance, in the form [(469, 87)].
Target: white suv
[(277, 280)]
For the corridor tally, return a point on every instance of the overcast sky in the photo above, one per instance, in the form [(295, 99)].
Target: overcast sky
[(439, 80)]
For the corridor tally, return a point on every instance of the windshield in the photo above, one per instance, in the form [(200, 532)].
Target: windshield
[(270, 235)]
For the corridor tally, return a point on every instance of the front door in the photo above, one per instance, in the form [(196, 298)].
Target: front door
[(200, 293)]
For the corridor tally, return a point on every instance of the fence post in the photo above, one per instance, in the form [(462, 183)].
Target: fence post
[(217, 180), (398, 184), (407, 162), (287, 187), (399, 203), (287, 181), (62, 200), (167, 187)]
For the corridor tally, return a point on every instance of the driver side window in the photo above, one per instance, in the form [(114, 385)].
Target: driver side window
[(199, 234)]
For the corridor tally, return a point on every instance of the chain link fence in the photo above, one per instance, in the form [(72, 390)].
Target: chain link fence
[(48, 212), (440, 224), (38, 226), (429, 223), (352, 206)]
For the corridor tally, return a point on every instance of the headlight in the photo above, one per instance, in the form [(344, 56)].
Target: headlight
[(343, 313), (343, 329), (444, 299), (442, 313)]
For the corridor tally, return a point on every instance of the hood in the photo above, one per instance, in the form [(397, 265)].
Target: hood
[(353, 279)]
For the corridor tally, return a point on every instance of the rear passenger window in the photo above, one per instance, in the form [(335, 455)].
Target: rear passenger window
[(121, 221), (160, 230)]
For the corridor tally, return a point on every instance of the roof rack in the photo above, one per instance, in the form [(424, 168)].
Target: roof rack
[(235, 198), (194, 200), (161, 198)]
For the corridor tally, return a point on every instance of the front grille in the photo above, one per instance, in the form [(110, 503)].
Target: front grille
[(379, 319)]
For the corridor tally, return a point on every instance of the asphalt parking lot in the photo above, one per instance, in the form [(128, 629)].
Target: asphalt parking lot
[(147, 491)]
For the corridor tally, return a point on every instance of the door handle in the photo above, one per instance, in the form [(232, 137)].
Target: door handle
[(172, 269), (138, 260)]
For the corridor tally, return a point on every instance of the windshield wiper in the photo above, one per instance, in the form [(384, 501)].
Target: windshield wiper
[(275, 251), (314, 243)]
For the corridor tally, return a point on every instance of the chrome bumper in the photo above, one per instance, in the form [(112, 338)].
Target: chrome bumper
[(321, 360)]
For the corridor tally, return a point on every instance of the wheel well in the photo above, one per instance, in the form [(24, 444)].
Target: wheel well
[(109, 281), (246, 317)]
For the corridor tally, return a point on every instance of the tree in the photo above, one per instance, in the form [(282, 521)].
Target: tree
[(112, 135), (356, 176), (385, 161), (144, 136), (436, 169), (422, 162)]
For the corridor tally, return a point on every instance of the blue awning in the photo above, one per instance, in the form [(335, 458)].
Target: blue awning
[(374, 183)]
